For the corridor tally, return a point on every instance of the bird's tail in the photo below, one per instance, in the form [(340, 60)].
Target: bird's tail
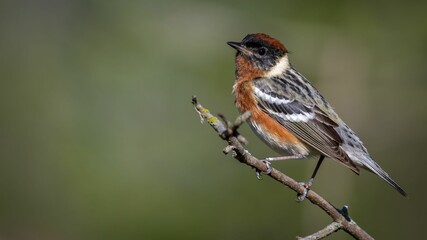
[(362, 159), (372, 166)]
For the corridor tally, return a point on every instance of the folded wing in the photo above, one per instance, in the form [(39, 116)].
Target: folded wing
[(302, 117)]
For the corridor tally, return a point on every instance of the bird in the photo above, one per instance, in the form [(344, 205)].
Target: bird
[(289, 114)]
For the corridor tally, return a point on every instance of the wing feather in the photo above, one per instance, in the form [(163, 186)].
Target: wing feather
[(302, 117)]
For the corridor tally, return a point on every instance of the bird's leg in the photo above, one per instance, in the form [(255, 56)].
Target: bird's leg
[(307, 185), (268, 161), (271, 159)]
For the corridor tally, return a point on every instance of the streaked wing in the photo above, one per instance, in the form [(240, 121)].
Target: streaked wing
[(302, 117)]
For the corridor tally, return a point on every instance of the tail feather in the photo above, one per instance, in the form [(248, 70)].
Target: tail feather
[(361, 158), (375, 168)]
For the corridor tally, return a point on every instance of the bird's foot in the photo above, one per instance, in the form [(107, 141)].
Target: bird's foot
[(307, 186), (268, 171)]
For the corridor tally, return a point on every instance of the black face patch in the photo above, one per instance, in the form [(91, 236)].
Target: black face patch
[(264, 55), (262, 51)]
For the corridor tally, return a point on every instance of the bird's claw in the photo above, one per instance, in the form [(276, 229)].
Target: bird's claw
[(269, 168), (301, 197), (233, 153), (268, 171), (307, 186), (258, 174)]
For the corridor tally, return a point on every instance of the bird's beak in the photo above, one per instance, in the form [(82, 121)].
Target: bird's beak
[(239, 47)]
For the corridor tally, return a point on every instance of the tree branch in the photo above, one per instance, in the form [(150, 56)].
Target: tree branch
[(228, 132), (328, 230)]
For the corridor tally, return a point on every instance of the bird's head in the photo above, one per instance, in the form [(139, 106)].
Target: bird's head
[(260, 51)]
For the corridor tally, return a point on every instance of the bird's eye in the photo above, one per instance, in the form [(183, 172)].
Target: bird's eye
[(262, 51)]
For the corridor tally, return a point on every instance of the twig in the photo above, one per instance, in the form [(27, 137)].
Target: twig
[(328, 230), (229, 134)]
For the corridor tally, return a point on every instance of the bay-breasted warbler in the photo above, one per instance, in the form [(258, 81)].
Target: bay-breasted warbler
[(289, 114)]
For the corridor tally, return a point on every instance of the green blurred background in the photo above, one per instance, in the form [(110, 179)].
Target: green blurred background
[(99, 139)]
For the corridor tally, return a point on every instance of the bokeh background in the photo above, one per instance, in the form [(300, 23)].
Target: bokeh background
[(98, 138)]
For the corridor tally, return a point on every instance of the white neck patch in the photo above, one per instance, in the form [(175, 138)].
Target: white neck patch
[(279, 68)]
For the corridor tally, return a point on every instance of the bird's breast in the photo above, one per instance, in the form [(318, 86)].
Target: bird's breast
[(267, 128)]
